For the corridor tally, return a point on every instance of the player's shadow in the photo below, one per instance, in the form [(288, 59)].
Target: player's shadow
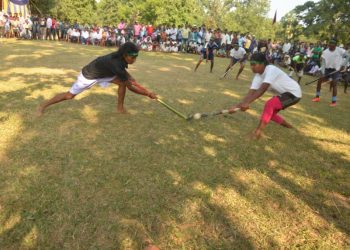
[(95, 175), (138, 186), (84, 177)]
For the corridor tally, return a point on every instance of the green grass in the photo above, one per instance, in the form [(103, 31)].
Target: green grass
[(84, 177)]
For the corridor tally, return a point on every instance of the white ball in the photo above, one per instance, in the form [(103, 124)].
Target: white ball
[(197, 116)]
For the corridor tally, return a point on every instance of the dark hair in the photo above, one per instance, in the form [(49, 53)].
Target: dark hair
[(259, 57), (333, 41), (126, 48)]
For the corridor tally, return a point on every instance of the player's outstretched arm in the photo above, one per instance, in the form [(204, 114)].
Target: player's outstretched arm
[(252, 95), (138, 89)]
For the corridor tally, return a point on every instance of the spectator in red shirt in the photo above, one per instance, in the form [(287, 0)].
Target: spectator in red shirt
[(149, 30), (53, 28)]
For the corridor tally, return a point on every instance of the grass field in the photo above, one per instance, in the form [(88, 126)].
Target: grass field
[(84, 177)]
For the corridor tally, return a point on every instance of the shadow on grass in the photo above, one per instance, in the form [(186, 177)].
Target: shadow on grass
[(84, 177)]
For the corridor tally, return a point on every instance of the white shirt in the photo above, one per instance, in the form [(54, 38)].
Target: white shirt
[(286, 47), (94, 35), (49, 23), (279, 81), (173, 33), (228, 39), (333, 59), (99, 35), (237, 54), (69, 32), (85, 34), (21, 20), (200, 36), (208, 36), (346, 58), (76, 33)]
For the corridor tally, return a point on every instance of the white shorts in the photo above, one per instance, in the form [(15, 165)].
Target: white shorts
[(82, 83)]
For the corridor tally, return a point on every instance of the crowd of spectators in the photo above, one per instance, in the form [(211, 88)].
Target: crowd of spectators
[(164, 38)]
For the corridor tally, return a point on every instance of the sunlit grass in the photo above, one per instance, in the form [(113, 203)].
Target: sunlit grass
[(84, 177)]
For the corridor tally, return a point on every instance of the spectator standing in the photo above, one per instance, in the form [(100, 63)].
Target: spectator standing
[(42, 28), (48, 28), (35, 27), (185, 32), (173, 33), (228, 41), (2, 24), (53, 29), (121, 27), (149, 29), (286, 47), (57, 29), (137, 30), (208, 35)]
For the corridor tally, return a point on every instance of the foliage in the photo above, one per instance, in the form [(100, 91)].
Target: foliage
[(150, 11), (312, 20), (234, 15), (83, 11), (250, 16), (291, 29), (41, 7), (323, 19)]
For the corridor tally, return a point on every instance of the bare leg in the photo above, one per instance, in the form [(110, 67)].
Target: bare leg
[(286, 124), (334, 86), (259, 131), (211, 65), (229, 67), (240, 71), (120, 99), (199, 62), (319, 84), (56, 99)]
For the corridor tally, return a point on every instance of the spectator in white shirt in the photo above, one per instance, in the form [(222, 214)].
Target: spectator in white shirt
[(93, 37), (85, 37), (173, 33), (228, 41), (75, 36), (48, 28), (208, 35)]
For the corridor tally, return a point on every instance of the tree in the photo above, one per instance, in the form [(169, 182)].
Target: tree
[(325, 19), (291, 29), (235, 15), (41, 7), (250, 16), (82, 11), (150, 11)]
